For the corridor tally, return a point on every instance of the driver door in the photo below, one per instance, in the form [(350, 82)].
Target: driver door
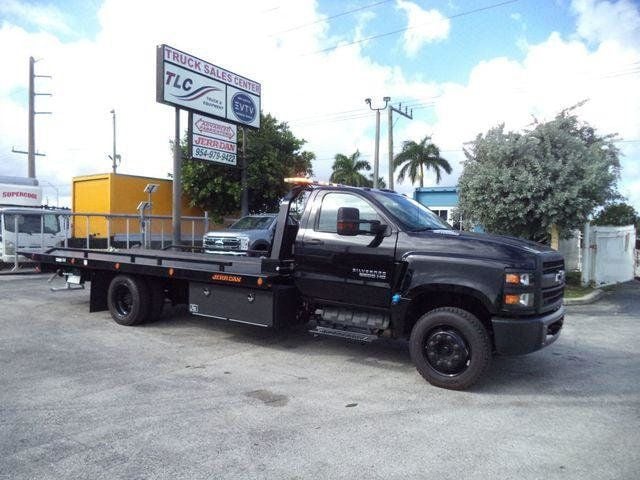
[(344, 269)]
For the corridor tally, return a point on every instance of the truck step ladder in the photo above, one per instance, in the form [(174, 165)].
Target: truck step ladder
[(349, 334), (72, 282)]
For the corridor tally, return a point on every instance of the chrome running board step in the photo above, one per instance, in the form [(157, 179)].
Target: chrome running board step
[(334, 332)]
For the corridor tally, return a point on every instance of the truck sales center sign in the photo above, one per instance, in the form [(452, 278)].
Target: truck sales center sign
[(211, 139), (191, 83)]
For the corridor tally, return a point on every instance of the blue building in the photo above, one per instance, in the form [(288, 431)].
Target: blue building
[(441, 200)]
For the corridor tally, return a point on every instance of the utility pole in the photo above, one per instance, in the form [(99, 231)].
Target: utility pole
[(115, 158), (31, 147), (31, 133), (406, 114), (376, 159)]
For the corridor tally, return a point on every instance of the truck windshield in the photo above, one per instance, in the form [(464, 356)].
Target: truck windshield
[(30, 223), (412, 215), (253, 223)]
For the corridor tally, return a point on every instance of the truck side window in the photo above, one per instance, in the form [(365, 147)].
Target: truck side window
[(298, 205), (51, 224), (333, 201)]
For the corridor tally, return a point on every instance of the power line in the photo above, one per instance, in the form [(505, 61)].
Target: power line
[(348, 12), (386, 34), (349, 115)]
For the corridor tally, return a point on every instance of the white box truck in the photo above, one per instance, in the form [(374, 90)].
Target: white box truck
[(25, 224)]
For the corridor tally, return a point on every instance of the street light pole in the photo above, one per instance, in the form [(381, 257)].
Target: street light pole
[(56, 189), (376, 159), (115, 156)]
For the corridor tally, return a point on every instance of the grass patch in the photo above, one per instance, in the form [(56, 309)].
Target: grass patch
[(576, 291), (574, 288)]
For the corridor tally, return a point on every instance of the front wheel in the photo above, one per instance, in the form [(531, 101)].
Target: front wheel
[(450, 348)]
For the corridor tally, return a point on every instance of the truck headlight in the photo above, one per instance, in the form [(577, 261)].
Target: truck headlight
[(244, 243), (520, 279), (11, 248), (521, 299)]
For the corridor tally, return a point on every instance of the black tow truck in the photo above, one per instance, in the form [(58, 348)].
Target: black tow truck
[(357, 263)]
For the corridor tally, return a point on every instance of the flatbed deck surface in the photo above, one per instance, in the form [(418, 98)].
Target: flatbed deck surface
[(203, 262)]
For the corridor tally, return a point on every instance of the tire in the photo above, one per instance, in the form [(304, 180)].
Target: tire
[(450, 348), (128, 300)]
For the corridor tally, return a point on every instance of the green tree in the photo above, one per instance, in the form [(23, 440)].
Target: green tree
[(415, 158), (617, 215), (346, 170), (522, 183), (381, 181), (273, 153)]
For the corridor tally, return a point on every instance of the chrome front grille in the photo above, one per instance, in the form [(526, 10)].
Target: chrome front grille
[(552, 266), (553, 280), (222, 243)]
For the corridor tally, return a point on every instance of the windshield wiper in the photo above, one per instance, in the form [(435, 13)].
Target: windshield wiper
[(424, 229)]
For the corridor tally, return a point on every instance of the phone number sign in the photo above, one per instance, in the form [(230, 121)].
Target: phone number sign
[(188, 82), (213, 140)]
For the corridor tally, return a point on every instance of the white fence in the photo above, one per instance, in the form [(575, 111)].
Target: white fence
[(608, 255), (123, 230)]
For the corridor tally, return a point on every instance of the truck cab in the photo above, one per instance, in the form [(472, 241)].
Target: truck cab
[(36, 228), (374, 262), (24, 223)]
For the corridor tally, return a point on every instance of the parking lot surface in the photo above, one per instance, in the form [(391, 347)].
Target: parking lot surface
[(194, 398)]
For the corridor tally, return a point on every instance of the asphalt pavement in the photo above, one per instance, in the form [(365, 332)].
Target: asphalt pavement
[(194, 398)]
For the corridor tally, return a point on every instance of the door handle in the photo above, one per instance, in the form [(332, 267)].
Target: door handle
[(313, 241)]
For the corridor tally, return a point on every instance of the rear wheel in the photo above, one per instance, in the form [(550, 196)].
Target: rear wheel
[(128, 300), (450, 348)]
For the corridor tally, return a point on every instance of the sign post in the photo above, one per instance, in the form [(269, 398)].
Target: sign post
[(217, 100), (177, 185)]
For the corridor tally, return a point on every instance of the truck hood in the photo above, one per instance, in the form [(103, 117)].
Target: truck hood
[(479, 245)]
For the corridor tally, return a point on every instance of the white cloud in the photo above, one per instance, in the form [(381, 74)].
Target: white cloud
[(423, 26), (600, 21), (45, 17)]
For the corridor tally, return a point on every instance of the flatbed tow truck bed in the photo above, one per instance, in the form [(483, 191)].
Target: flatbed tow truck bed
[(250, 290), (137, 259)]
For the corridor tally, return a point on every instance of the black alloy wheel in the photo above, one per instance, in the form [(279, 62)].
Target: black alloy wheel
[(447, 352), (450, 347), (123, 300)]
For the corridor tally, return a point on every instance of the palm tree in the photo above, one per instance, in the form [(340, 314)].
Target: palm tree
[(418, 157), (346, 170), (381, 182)]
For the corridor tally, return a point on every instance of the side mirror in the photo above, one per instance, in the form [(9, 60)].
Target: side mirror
[(348, 221)]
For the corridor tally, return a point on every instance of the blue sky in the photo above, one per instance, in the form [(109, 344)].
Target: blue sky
[(465, 66), (473, 36)]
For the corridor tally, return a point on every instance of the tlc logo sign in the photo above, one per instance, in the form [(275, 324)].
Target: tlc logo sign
[(188, 88), (185, 81), (173, 80)]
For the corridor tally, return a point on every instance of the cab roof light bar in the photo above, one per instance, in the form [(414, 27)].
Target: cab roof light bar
[(308, 181)]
